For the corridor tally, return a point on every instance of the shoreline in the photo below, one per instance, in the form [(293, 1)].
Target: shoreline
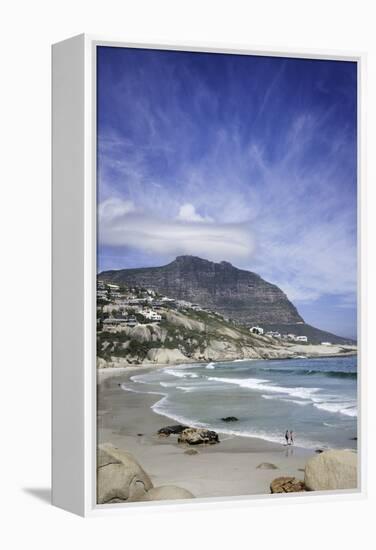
[(174, 418), (151, 365), (229, 468)]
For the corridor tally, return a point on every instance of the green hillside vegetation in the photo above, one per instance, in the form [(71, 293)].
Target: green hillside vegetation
[(137, 325), (189, 331)]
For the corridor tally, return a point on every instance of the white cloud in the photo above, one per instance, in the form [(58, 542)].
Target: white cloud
[(112, 208), (121, 224), (187, 213)]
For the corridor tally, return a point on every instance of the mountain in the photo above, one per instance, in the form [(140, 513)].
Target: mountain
[(235, 293)]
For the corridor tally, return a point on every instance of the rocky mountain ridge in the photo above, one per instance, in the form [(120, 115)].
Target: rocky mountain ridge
[(235, 293)]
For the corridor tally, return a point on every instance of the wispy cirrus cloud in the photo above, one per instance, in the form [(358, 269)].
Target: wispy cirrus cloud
[(251, 160)]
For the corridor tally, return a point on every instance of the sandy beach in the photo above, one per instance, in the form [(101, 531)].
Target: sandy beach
[(230, 468)]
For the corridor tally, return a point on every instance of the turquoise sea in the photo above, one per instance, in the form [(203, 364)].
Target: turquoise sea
[(315, 398)]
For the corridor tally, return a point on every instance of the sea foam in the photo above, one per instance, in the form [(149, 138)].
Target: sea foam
[(259, 384)]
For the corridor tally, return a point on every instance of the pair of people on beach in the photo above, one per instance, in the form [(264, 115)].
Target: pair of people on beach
[(289, 436)]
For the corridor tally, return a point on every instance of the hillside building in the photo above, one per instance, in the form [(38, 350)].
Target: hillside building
[(257, 330)]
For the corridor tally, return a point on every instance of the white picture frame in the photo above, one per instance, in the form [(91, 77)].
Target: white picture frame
[(74, 276)]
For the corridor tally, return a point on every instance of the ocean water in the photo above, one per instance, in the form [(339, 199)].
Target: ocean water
[(315, 398)]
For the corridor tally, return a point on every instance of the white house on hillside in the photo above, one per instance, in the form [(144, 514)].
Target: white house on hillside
[(256, 330), (152, 315)]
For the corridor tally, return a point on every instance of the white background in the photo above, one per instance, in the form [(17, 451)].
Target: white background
[(27, 30)]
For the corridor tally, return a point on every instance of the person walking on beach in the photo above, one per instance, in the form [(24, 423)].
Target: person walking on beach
[(287, 437), (291, 437)]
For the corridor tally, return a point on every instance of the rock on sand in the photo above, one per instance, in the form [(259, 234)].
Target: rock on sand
[(197, 436), (119, 477), (267, 466), (286, 485), (191, 452), (175, 429), (331, 470), (168, 492)]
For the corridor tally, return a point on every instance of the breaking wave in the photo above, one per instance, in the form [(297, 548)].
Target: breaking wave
[(312, 372), (262, 385)]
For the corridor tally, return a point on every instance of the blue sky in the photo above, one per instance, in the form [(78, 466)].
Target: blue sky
[(240, 158)]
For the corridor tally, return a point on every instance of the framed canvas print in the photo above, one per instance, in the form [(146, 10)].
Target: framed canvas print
[(206, 282)]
